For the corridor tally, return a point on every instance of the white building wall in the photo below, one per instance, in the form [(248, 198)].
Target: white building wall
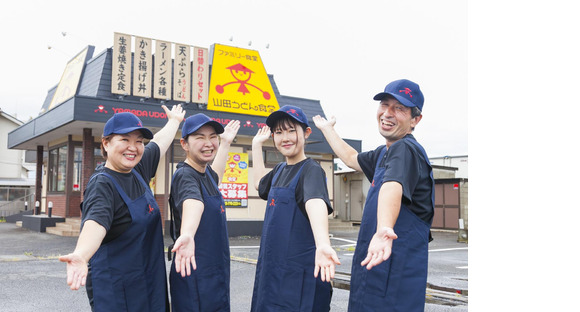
[(10, 160), (459, 162)]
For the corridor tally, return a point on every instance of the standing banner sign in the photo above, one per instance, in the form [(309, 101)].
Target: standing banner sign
[(234, 186)]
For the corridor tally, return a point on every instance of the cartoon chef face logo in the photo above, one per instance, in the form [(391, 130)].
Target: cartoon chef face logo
[(101, 109), (242, 76)]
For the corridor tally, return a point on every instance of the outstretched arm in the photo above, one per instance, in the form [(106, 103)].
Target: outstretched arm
[(345, 152), (77, 262), (257, 158), (389, 205), (326, 258), (164, 137), (221, 157), (184, 246)]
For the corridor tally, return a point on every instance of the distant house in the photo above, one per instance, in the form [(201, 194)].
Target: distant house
[(16, 186), (459, 162)]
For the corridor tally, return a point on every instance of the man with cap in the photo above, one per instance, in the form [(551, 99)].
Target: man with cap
[(119, 252), (389, 267), (294, 246), (200, 273)]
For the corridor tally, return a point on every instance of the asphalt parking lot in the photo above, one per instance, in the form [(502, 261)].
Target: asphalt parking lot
[(32, 278)]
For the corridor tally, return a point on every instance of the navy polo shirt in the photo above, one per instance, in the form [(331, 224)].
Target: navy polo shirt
[(104, 205), (405, 165), (187, 184), (311, 184)]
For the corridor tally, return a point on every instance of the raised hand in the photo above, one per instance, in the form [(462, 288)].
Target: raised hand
[(177, 112), (380, 247), (230, 131), (263, 135), (322, 123), (324, 262)]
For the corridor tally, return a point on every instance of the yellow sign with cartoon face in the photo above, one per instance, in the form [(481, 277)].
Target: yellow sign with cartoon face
[(239, 83)]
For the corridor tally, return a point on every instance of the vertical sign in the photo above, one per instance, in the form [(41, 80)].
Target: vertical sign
[(200, 84), (234, 186), (121, 71), (142, 68), (181, 73), (162, 79)]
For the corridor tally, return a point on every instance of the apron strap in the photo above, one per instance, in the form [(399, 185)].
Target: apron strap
[(172, 229), (140, 178), (124, 195), (277, 173), (295, 179), (426, 159)]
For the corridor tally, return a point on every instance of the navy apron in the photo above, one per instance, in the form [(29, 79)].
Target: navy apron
[(399, 283), (128, 273), (285, 270), (208, 287)]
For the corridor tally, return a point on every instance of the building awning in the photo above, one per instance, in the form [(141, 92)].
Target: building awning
[(16, 182)]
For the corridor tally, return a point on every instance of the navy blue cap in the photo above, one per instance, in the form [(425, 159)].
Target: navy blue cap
[(123, 123), (287, 110), (405, 91), (193, 123)]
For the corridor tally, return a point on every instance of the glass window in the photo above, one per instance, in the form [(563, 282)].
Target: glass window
[(273, 157), (57, 169), (98, 158), (61, 182), (77, 168), (52, 169), (3, 194), (16, 194)]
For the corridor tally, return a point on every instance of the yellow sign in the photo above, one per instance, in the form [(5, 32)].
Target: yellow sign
[(239, 83), (69, 82), (234, 186)]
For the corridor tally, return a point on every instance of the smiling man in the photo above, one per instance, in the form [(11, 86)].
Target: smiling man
[(389, 268)]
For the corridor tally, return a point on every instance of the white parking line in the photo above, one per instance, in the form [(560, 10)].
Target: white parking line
[(244, 247), (448, 249), (462, 267)]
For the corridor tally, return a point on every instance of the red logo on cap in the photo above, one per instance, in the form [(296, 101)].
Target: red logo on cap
[(293, 111), (407, 91), (139, 124), (272, 203)]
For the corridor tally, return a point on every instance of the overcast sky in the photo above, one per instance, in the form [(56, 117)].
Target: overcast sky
[(333, 51)]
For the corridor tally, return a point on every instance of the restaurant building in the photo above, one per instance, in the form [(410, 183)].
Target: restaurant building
[(139, 75)]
